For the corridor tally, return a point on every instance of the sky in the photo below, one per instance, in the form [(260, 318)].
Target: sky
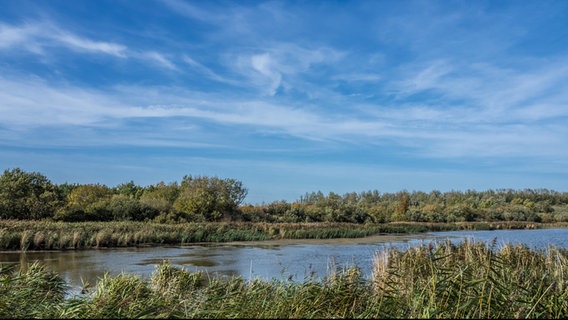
[(288, 97)]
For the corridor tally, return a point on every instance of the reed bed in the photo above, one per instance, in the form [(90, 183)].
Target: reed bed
[(469, 280), (472, 280), (30, 292), (56, 235)]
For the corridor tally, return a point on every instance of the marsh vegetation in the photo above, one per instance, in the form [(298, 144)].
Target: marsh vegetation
[(469, 280), (442, 280), (58, 235)]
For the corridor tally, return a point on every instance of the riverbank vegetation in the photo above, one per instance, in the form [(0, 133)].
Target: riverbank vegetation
[(469, 280), (32, 196), (59, 235)]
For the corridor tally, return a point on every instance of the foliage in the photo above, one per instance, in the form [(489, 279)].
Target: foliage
[(472, 280), (122, 207), (86, 203), (129, 190), (26, 195), (161, 196), (207, 199), (30, 292)]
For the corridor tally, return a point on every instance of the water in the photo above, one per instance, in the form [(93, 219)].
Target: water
[(293, 260), (535, 239)]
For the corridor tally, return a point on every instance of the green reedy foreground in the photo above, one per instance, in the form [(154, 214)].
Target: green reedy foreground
[(470, 280), (52, 235)]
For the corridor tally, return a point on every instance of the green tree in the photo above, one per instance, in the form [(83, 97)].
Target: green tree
[(402, 206), (87, 203), (65, 189), (26, 195), (122, 207), (277, 208), (161, 196), (87, 194), (209, 198), (130, 190)]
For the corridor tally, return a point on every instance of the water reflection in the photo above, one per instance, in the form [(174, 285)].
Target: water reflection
[(293, 260)]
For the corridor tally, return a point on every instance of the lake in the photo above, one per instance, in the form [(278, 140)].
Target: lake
[(274, 259)]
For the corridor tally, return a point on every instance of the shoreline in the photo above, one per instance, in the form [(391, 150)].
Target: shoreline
[(17, 235)]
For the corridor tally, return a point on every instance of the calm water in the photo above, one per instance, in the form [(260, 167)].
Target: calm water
[(286, 259)]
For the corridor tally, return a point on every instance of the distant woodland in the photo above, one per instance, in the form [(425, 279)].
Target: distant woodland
[(32, 196)]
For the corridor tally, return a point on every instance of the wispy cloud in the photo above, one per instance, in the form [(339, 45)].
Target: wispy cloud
[(356, 77), (194, 12), (207, 71), (280, 65), (425, 83), (497, 95), (444, 135), (43, 38), (82, 44), (37, 37), (11, 36), (160, 59), (51, 105)]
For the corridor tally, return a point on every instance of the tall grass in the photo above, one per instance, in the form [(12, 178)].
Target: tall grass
[(470, 280), (30, 292), (50, 235)]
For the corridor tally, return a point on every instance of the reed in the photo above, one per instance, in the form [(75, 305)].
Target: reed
[(25, 241), (30, 292), (438, 280), (472, 280), (40, 235)]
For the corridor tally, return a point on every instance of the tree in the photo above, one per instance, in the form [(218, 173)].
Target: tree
[(130, 190), (88, 194), (123, 208), (87, 203), (402, 206), (65, 189), (26, 195), (210, 198), (161, 196)]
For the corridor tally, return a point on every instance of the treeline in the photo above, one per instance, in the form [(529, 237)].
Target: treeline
[(32, 196), (541, 205)]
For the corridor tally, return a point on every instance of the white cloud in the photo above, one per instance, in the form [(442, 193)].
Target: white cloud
[(37, 37), (43, 38), (83, 44), (191, 11), (430, 77), (357, 77), (263, 64), (11, 36), (467, 125), (208, 72), (484, 93), (159, 59), (51, 105), (45, 104), (281, 64), (522, 141)]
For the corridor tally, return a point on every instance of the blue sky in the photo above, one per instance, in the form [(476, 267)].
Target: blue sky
[(288, 97)]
